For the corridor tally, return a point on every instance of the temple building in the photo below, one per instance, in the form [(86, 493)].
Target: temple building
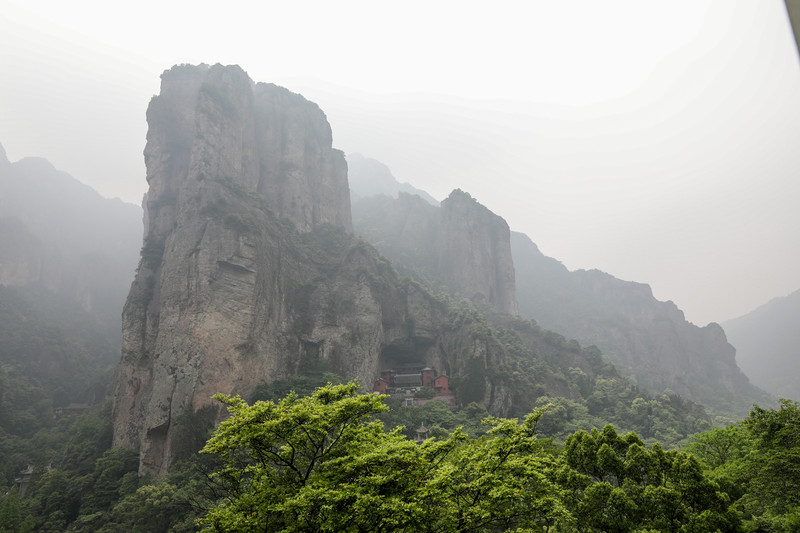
[(407, 384)]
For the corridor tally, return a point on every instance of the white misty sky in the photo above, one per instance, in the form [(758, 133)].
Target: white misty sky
[(657, 141)]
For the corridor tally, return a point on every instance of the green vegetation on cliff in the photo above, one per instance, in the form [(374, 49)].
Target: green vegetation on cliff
[(648, 341), (330, 461), (53, 358)]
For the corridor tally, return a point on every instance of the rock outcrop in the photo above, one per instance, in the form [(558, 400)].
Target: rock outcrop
[(475, 252), (249, 273), (466, 247), (462, 244), (648, 340), (214, 123)]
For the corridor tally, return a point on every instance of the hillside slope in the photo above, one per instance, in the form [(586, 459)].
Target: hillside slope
[(59, 234), (766, 342), (649, 341), (250, 274)]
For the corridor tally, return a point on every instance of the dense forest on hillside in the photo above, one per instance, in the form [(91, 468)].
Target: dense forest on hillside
[(64, 475), (254, 295), (79, 483), (55, 361), (329, 462), (648, 341), (556, 471)]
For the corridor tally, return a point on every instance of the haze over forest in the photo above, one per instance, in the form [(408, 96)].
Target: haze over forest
[(655, 142), (380, 199)]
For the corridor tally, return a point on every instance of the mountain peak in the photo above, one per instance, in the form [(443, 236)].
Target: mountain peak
[(647, 339), (369, 177), (766, 341)]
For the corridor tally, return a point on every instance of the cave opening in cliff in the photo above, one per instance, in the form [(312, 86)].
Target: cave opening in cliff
[(405, 356)]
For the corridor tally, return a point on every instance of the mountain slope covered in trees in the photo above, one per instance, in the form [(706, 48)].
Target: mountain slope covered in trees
[(250, 283), (646, 339), (649, 341)]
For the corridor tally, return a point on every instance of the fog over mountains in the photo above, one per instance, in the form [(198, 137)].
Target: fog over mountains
[(59, 234), (248, 275), (657, 163), (547, 215), (648, 340), (767, 344), (370, 177)]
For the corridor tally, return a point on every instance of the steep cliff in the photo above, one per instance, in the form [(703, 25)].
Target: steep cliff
[(766, 341), (24, 259), (646, 339), (212, 124), (475, 252), (404, 229), (461, 244), (249, 272)]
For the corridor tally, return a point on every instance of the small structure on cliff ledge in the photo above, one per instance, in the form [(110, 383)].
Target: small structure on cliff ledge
[(407, 384), (249, 269)]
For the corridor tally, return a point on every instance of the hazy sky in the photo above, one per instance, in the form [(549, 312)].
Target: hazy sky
[(657, 141)]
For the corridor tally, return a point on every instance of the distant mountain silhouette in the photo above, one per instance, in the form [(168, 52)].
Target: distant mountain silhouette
[(649, 341), (767, 342), (60, 234), (646, 339), (370, 177)]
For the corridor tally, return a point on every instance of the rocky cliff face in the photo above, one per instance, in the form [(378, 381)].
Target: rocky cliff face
[(24, 259), (403, 228), (475, 252), (462, 243), (766, 341), (248, 271), (647, 340), (214, 123)]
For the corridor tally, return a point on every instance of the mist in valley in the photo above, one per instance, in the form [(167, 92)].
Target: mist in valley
[(561, 216)]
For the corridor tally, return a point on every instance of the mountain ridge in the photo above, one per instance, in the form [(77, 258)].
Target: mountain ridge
[(766, 341), (650, 341), (249, 271), (238, 287), (60, 234), (370, 177)]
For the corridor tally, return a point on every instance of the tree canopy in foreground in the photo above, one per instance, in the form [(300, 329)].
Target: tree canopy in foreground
[(324, 463)]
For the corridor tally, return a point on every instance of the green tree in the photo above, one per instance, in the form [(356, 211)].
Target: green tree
[(150, 509), (11, 515), (323, 463), (720, 446), (102, 487), (278, 459), (626, 487), (771, 471), (501, 481)]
